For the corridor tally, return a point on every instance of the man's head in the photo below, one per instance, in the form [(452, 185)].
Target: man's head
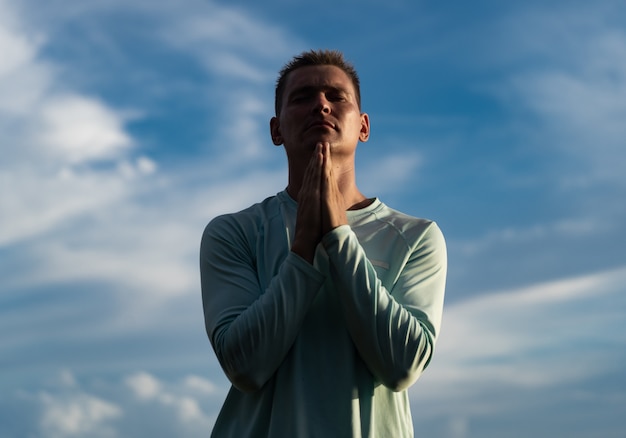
[(312, 58), (318, 102)]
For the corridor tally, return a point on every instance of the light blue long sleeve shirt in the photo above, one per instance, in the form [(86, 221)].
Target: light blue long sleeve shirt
[(323, 350)]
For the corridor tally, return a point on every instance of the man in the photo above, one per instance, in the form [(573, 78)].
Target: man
[(322, 305)]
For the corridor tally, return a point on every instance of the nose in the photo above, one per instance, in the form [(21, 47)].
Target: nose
[(322, 105)]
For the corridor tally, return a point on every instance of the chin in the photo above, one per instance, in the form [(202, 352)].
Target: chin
[(324, 139)]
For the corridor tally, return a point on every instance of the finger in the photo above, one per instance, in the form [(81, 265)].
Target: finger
[(316, 167), (329, 185), (311, 178), (326, 166), (326, 154)]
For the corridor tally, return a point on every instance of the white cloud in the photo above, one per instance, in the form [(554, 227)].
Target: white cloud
[(52, 135), (243, 129), (389, 173), (522, 341), (66, 378), (81, 129), (149, 251), (23, 79), (578, 91), (142, 405), (145, 166), (84, 209), (42, 199), (231, 29), (60, 136), (18, 48), (87, 208), (570, 228), (200, 384), (233, 66), (76, 416), (144, 386), (186, 407)]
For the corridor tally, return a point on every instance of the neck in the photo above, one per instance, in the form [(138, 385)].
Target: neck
[(346, 181)]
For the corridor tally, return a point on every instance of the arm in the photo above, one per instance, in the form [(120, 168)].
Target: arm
[(251, 330), (394, 331)]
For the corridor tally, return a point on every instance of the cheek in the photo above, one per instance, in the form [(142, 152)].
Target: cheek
[(291, 122), (354, 121)]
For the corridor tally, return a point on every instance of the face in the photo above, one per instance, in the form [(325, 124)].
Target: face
[(319, 105)]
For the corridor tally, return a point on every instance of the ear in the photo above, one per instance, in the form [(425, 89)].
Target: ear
[(364, 135), (277, 138)]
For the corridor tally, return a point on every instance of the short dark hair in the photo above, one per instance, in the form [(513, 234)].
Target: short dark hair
[(310, 58)]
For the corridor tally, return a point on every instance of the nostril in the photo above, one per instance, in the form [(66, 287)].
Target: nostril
[(321, 108)]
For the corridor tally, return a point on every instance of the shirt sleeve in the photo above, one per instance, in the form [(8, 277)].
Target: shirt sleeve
[(393, 330), (250, 329)]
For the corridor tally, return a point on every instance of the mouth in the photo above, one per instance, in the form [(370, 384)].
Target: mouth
[(321, 124)]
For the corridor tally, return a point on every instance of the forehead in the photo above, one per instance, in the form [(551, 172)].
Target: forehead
[(319, 76)]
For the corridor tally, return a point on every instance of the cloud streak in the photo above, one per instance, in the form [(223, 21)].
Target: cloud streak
[(69, 407), (115, 163), (524, 341), (578, 93)]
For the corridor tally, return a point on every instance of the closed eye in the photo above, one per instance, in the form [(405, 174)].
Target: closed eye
[(339, 97), (297, 98)]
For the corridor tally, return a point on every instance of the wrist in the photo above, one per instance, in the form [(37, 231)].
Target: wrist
[(307, 252)]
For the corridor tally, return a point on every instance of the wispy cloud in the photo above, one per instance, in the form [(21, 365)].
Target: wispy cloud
[(80, 414), (127, 126), (81, 130), (69, 407), (390, 173), (74, 160), (99, 228), (575, 86), (520, 342), (524, 341)]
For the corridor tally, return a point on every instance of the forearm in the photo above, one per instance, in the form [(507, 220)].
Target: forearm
[(394, 331), (252, 330)]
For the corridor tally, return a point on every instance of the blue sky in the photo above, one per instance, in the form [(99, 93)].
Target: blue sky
[(127, 125)]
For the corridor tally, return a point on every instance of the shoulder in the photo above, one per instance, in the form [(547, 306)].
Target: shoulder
[(413, 229), (250, 215), (247, 221)]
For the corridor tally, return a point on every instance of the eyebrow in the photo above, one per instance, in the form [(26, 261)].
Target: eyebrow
[(306, 89)]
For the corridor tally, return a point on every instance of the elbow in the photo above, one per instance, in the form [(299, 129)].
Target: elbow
[(406, 373), (238, 368), (401, 381), (245, 382), (242, 373)]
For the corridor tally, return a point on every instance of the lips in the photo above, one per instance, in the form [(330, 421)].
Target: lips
[(321, 124)]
